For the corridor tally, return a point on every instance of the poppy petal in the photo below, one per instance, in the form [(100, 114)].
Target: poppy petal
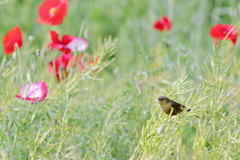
[(33, 92), (163, 24), (52, 12), (12, 37), (68, 43), (54, 36), (220, 32), (78, 44)]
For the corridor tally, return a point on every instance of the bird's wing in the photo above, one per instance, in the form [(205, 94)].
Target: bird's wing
[(177, 106)]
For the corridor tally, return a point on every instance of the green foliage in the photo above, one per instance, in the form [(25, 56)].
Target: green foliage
[(112, 114), (213, 135)]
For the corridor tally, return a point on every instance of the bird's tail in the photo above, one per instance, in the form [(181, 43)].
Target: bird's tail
[(197, 117), (190, 110)]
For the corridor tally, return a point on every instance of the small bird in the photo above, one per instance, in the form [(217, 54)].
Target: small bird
[(171, 107)]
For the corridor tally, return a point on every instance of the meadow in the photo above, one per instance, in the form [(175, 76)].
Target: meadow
[(109, 110)]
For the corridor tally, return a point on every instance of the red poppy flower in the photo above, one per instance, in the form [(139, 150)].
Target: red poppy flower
[(11, 38), (220, 31), (52, 12), (68, 43), (59, 66), (33, 92), (163, 24)]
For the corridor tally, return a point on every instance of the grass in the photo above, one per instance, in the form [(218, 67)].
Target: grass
[(113, 114)]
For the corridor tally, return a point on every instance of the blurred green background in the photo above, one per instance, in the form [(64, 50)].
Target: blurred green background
[(106, 117), (131, 22)]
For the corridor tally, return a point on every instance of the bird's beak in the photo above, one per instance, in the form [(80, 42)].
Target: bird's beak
[(158, 101)]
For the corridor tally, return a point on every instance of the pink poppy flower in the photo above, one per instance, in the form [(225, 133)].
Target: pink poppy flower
[(163, 24), (52, 12), (11, 38), (68, 43), (33, 92), (220, 31)]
